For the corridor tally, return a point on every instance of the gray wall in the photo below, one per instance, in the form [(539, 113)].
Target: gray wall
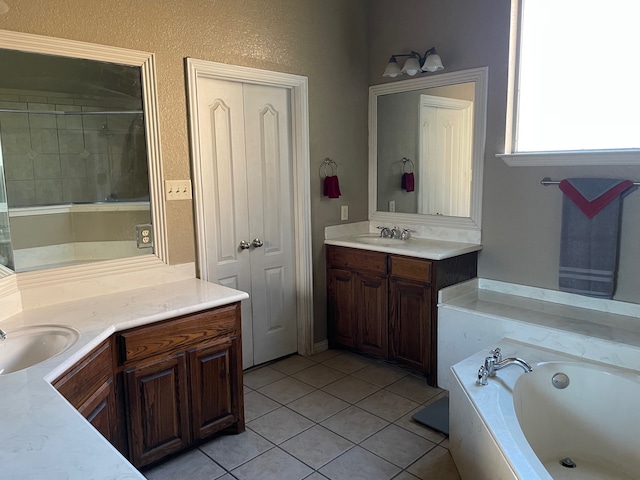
[(520, 218)]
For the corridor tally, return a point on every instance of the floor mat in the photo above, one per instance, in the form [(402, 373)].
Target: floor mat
[(435, 416)]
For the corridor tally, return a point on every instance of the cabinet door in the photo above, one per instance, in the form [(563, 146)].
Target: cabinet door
[(372, 315), (215, 396), (100, 410), (157, 409), (341, 307), (411, 324)]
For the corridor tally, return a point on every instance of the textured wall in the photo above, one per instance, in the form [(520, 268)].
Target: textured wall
[(520, 218), (324, 40)]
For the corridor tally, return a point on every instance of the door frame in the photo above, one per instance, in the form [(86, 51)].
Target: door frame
[(299, 90)]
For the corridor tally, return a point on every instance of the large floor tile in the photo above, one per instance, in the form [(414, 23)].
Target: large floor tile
[(324, 356), (380, 375), (414, 388), (354, 424), (397, 445), (315, 476), (318, 405), (292, 364), (196, 463), (260, 377), (256, 405), (350, 389), (347, 362), (318, 375), (272, 465), (231, 451), (405, 476), (437, 463), (387, 405), (316, 447), (359, 464), (286, 390), (280, 425)]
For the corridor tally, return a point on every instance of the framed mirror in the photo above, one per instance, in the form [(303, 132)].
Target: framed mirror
[(426, 150), (80, 156)]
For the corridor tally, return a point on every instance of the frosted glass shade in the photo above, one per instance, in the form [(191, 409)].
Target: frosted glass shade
[(432, 63), (393, 69), (411, 66)]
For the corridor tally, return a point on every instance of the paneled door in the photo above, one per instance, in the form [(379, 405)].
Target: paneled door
[(246, 149)]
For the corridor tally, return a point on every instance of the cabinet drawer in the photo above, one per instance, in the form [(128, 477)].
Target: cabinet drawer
[(81, 381), (411, 268), (178, 334), (355, 259)]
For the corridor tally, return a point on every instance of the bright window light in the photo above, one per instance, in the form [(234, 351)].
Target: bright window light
[(579, 76)]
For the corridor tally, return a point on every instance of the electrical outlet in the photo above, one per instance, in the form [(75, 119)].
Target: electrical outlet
[(344, 212), (177, 189), (144, 236), (392, 205)]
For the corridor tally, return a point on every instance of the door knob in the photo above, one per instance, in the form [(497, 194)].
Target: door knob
[(244, 245), (257, 243)]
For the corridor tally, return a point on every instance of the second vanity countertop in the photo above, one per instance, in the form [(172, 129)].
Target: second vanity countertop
[(42, 435), (413, 247)]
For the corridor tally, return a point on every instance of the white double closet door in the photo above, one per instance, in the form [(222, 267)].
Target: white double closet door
[(246, 152)]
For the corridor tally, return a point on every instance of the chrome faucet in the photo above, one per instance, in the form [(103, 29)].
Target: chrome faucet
[(385, 232), (494, 362), (3, 334)]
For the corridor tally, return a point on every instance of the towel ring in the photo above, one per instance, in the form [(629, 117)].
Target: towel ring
[(328, 163), (406, 160)]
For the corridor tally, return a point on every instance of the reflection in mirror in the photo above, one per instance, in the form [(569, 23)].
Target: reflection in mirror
[(74, 156), (432, 128)]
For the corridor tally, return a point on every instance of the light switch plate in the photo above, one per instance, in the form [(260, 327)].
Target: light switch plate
[(177, 189), (344, 212)]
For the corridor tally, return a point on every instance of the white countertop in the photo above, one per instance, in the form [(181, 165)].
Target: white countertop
[(413, 247), (41, 434)]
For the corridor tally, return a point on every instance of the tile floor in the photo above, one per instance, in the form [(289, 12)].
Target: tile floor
[(334, 416)]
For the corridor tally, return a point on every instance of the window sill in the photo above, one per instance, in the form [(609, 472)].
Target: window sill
[(572, 158)]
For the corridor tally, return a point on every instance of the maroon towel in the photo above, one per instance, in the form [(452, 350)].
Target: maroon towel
[(331, 186), (408, 182), (592, 204)]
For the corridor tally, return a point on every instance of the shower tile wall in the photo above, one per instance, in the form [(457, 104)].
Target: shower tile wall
[(52, 159)]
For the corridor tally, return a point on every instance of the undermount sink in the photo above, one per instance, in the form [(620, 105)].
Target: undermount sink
[(28, 346), (383, 241)]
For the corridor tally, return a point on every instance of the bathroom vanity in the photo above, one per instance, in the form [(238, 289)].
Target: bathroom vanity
[(383, 304), (156, 389), (154, 370)]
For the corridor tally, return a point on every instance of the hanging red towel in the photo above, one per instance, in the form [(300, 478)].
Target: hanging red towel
[(592, 203), (408, 182), (331, 186)]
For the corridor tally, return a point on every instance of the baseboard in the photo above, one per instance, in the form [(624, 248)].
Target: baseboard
[(320, 346)]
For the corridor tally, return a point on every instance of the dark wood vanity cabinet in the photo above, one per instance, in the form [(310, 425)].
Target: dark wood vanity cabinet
[(90, 386), (385, 305), (183, 381), (357, 289), (159, 388)]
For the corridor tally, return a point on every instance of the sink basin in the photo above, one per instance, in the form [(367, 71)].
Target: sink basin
[(382, 241), (28, 346)]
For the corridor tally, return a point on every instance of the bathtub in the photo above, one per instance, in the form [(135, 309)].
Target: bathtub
[(521, 426)]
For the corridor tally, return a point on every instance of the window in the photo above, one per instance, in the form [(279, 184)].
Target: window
[(574, 82)]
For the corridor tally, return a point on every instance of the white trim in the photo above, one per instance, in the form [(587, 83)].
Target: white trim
[(320, 346), (78, 208), (572, 158), (298, 86), (146, 61), (480, 76)]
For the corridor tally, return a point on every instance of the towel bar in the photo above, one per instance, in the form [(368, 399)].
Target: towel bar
[(547, 181), (328, 163), (406, 160)]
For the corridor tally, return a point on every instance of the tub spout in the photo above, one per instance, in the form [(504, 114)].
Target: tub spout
[(495, 362)]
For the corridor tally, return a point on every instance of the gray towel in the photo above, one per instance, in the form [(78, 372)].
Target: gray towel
[(589, 244)]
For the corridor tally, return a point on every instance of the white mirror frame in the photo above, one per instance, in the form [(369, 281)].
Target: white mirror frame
[(146, 61), (478, 75)]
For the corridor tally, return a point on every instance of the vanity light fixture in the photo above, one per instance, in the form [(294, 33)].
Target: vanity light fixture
[(416, 63)]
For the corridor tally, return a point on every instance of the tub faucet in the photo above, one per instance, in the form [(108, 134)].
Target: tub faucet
[(494, 362), (385, 232)]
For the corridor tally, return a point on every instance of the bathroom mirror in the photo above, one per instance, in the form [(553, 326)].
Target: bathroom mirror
[(79, 151), (434, 129)]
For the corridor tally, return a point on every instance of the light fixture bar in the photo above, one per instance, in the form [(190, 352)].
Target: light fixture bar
[(415, 63)]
